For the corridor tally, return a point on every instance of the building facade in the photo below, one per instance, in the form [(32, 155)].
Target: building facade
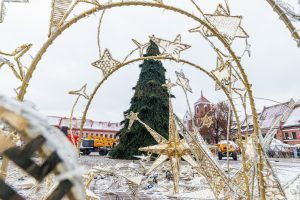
[(284, 117), (201, 107), (289, 131), (90, 129)]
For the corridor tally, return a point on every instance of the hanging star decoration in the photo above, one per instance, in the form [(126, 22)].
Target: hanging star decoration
[(13, 60), (173, 149), (81, 92), (169, 85), (61, 9), (223, 72), (183, 81), (141, 47), (107, 64), (207, 121), (227, 25), (2, 7), (171, 49), (132, 117)]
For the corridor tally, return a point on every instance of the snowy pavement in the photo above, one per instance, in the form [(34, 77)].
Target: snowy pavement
[(287, 170)]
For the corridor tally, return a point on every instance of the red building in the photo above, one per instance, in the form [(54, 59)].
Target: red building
[(90, 128), (289, 131), (201, 107)]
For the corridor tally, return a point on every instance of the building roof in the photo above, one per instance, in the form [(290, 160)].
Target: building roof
[(202, 100), (89, 124), (270, 114), (294, 118), (249, 119)]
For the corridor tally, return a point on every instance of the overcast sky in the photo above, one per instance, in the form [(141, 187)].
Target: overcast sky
[(273, 68)]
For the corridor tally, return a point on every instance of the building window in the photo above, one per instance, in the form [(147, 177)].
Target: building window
[(97, 134), (101, 135), (197, 109), (92, 134), (106, 135), (110, 136), (294, 135), (286, 135)]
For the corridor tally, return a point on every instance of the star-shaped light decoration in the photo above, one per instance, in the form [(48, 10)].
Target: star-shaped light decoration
[(61, 9), (183, 81), (2, 7), (81, 92), (107, 64), (132, 118), (222, 72), (227, 25), (171, 49), (173, 149), (141, 47), (207, 121), (13, 60), (169, 85)]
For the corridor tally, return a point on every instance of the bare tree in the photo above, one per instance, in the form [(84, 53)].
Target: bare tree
[(220, 113)]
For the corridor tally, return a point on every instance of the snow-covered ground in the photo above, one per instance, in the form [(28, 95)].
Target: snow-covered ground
[(286, 169)]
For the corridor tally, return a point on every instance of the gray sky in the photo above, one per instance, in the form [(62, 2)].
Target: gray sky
[(273, 69)]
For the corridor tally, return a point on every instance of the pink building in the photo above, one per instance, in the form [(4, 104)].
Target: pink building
[(90, 128)]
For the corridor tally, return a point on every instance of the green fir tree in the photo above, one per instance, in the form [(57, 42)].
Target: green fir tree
[(151, 101)]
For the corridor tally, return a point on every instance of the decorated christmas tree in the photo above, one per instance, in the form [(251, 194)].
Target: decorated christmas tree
[(150, 100)]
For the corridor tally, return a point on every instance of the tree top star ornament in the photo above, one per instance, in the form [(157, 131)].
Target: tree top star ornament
[(183, 81), (171, 49), (107, 64), (229, 26), (80, 92), (2, 7)]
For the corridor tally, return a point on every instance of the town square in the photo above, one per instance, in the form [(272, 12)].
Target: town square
[(149, 99)]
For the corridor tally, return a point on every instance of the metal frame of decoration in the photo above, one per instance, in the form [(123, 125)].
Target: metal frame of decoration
[(57, 154), (287, 17), (61, 10)]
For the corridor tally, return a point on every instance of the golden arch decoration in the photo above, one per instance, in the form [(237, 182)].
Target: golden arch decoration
[(224, 89), (213, 30), (245, 81)]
